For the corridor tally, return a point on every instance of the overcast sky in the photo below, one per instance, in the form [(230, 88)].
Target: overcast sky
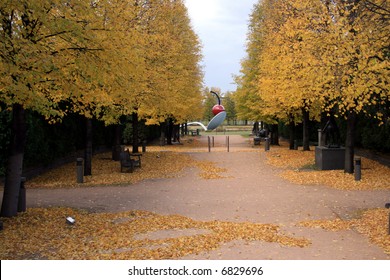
[(222, 26)]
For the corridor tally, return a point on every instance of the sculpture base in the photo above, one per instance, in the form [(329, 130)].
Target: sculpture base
[(330, 158)]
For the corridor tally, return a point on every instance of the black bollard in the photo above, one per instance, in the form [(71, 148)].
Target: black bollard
[(295, 144), (358, 168), (80, 170), (143, 146), (209, 143), (267, 143), (228, 143), (1, 225), (319, 137), (22, 196)]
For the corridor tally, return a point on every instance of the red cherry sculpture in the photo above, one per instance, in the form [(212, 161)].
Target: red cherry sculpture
[(218, 109)]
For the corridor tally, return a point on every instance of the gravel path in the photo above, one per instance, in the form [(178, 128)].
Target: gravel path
[(251, 191)]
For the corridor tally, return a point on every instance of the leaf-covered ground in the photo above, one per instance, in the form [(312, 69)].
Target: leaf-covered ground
[(157, 162), (43, 234), (300, 169), (373, 223)]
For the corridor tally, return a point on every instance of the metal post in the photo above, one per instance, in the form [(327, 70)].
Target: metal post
[(209, 144), (319, 137), (143, 146), (1, 225), (387, 205), (228, 143), (358, 168), (22, 196), (80, 170), (213, 141)]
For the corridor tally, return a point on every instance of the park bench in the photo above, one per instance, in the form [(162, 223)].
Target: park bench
[(260, 135), (129, 161), (194, 132), (256, 140), (298, 143)]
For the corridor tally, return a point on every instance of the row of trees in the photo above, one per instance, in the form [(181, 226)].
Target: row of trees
[(313, 59), (100, 59)]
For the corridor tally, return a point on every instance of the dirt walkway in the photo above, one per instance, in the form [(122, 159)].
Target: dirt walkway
[(251, 191)]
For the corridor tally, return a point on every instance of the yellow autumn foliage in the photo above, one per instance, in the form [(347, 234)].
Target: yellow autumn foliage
[(320, 55), (103, 59)]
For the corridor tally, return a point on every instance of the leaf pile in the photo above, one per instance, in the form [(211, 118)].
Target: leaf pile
[(372, 223), (210, 170), (331, 225), (286, 158), (155, 164), (43, 234), (375, 176), (187, 144)]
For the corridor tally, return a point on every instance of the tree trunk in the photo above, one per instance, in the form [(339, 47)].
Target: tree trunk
[(9, 207), (183, 129), (176, 133), (135, 123), (256, 128), (291, 127), (162, 136), (306, 137), (88, 148), (116, 148), (275, 134), (170, 131), (350, 143)]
